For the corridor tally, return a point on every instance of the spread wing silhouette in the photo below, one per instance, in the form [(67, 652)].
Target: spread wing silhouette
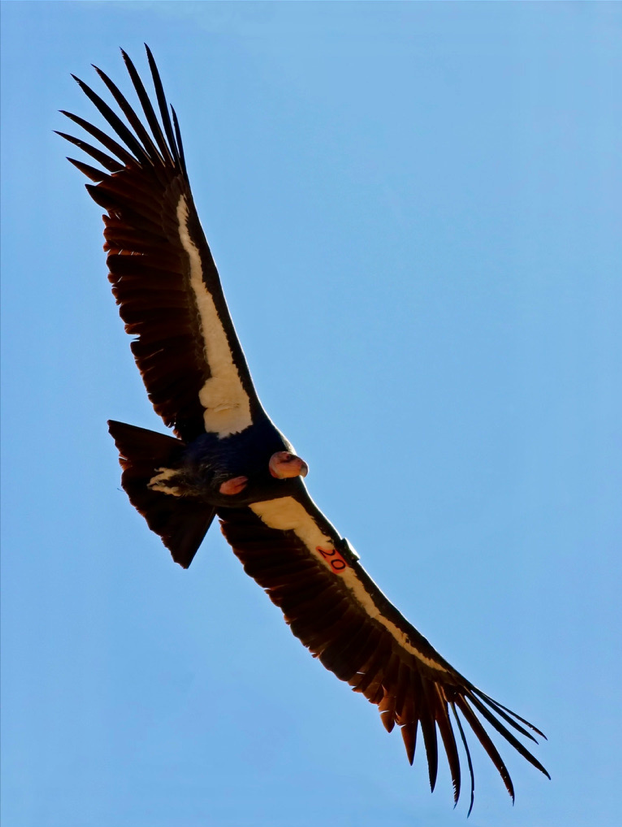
[(228, 459)]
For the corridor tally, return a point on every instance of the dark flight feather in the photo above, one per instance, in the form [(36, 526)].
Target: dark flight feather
[(115, 122), (105, 160), (111, 145), (143, 136), (145, 102)]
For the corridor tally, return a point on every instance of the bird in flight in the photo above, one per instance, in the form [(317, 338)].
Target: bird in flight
[(227, 458)]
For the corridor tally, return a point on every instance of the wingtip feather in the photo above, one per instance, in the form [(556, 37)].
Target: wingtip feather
[(409, 736)]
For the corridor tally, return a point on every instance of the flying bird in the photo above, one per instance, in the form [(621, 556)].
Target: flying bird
[(228, 460)]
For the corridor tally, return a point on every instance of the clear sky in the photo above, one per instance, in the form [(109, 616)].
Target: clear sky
[(416, 212)]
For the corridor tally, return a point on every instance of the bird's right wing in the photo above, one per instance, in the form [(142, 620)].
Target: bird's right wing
[(337, 611), (161, 268)]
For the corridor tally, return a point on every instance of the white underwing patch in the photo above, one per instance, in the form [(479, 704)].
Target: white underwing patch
[(225, 402), (160, 482), (287, 514)]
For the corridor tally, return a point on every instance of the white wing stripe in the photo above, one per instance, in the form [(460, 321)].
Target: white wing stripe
[(225, 402)]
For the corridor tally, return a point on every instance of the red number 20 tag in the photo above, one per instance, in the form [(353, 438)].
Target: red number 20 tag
[(334, 559)]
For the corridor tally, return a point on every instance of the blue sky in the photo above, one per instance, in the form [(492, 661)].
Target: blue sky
[(416, 212)]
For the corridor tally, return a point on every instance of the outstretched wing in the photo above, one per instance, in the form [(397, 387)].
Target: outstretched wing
[(163, 274), (337, 611)]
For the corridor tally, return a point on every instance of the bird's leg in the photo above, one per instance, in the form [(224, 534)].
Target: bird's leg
[(233, 486)]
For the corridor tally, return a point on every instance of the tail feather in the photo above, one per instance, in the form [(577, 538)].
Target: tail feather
[(181, 522)]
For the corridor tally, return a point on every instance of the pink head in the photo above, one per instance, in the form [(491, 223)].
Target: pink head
[(284, 464)]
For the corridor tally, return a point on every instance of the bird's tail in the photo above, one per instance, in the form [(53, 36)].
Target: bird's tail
[(181, 522)]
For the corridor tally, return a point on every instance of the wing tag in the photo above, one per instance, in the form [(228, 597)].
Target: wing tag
[(333, 558)]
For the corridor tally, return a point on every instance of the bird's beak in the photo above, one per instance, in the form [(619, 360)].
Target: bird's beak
[(284, 465)]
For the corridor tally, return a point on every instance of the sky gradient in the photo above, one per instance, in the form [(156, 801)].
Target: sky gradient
[(415, 209)]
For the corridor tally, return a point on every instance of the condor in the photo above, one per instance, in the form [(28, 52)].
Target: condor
[(227, 458)]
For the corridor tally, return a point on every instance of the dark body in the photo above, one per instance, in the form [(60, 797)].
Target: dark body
[(226, 458), (210, 461)]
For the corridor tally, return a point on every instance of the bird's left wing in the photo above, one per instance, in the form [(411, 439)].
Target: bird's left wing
[(337, 611), (161, 268)]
